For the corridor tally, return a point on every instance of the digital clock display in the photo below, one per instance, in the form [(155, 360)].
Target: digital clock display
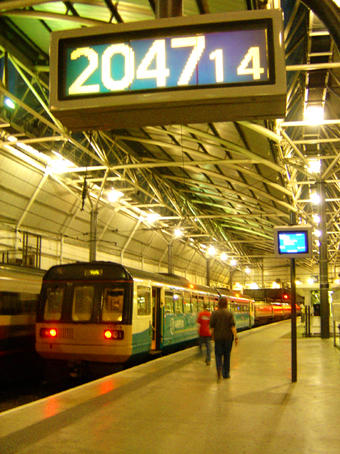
[(224, 57), (192, 69)]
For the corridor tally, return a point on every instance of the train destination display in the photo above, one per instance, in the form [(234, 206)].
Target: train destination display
[(293, 241), (168, 69)]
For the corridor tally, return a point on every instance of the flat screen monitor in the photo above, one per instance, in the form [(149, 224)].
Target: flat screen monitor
[(293, 241)]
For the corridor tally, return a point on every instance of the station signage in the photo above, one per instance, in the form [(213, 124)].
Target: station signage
[(294, 241), (183, 69)]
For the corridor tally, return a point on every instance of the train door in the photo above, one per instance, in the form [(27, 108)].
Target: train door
[(156, 318)]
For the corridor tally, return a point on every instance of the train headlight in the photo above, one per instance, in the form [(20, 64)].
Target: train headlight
[(113, 334), (48, 332)]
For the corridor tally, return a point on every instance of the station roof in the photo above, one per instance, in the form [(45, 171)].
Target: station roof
[(225, 184)]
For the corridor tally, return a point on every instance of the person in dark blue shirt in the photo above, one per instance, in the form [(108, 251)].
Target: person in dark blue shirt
[(223, 331)]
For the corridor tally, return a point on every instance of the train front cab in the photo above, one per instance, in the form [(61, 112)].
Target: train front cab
[(84, 317), (83, 341)]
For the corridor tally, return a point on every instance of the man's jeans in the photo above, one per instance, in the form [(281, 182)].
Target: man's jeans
[(222, 356), (206, 340)]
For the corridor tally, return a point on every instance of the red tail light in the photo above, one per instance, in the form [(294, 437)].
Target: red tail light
[(48, 332), (114, 334)]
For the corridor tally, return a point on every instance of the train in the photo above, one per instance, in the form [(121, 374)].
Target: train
[(273, 304), (105, 312), (19, 296)]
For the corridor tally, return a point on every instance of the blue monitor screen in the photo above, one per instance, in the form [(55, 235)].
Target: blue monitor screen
[(293, 242)]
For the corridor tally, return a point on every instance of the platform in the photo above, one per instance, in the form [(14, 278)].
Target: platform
[(174, 405)]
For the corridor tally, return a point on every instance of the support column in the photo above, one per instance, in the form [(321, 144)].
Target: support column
[(323, 265), (293, 311), (208, 271)]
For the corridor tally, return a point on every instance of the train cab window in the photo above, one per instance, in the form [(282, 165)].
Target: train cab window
[(143, 300), (82, 303), (178, 300), (53, 304), (169, 303), (113, 300), (186, 303)]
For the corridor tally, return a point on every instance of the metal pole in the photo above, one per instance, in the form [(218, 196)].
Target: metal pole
[(323, 266), (208, 271), (293, 310), (293, 319)]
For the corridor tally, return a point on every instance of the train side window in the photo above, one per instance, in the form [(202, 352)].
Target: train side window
[(194, 303), (207, 301), (187, 303), (54, 302), (213, 303), (169, 303), (200, 301), (178, 299), (8, 303), (113, 305), (82, 303), (143, 300), (28, 303)]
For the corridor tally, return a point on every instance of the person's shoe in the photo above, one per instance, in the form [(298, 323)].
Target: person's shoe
[(207, 363), (228, 376)]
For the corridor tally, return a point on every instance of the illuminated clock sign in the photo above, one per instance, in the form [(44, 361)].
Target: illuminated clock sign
[(184, 69), (170, 62)]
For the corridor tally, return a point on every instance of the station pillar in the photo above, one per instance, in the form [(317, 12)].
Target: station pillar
[(208, 271), (323, 265)]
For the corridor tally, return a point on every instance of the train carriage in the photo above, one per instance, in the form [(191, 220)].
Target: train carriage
[(243, 310), (273, 304), (19, 292), (105, 312)]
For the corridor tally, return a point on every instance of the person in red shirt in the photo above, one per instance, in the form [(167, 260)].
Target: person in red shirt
[(203, 319)]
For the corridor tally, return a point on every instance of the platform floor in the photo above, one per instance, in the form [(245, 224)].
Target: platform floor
[(174, 405)]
